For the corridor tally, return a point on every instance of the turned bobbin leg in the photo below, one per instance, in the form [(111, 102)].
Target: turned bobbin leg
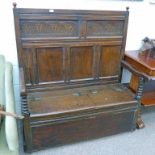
[(139, 92)]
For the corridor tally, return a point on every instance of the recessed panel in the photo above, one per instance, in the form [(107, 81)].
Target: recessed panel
[(104, 28), (81, 62), (50, 64), (110, 61), (30, 29), (28, 65)]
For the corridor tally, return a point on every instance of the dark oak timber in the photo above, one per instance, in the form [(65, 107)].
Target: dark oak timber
[(70, 69), (143, 62)]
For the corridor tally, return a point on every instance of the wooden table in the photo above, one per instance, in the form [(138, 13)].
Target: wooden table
[(143, 62)]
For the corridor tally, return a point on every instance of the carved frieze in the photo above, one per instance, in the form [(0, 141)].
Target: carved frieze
[(52, 28), (102, 28)]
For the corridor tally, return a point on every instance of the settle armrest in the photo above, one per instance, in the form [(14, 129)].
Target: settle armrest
[(134, 71), (22, 81), (142, 78)]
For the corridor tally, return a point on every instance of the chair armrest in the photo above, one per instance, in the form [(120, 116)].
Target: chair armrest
[(142, 77), (22, 81), (134, 71)]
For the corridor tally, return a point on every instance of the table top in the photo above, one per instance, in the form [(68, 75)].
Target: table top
[(145, 58)]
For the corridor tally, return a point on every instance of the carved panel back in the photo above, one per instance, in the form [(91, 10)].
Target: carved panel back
[(67, 47)]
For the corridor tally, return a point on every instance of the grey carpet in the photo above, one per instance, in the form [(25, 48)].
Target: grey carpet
[(138, 142)]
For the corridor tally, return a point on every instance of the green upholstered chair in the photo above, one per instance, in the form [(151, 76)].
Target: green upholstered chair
[(4, 150), (8, 126)]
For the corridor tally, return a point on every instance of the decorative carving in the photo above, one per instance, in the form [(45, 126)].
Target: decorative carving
[(101, 28), (25, 110), (51, 28)]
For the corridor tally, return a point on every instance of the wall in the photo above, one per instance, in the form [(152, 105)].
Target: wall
[(141, 24)]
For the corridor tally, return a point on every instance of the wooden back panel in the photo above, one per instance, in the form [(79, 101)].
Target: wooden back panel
[(69, 47)]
